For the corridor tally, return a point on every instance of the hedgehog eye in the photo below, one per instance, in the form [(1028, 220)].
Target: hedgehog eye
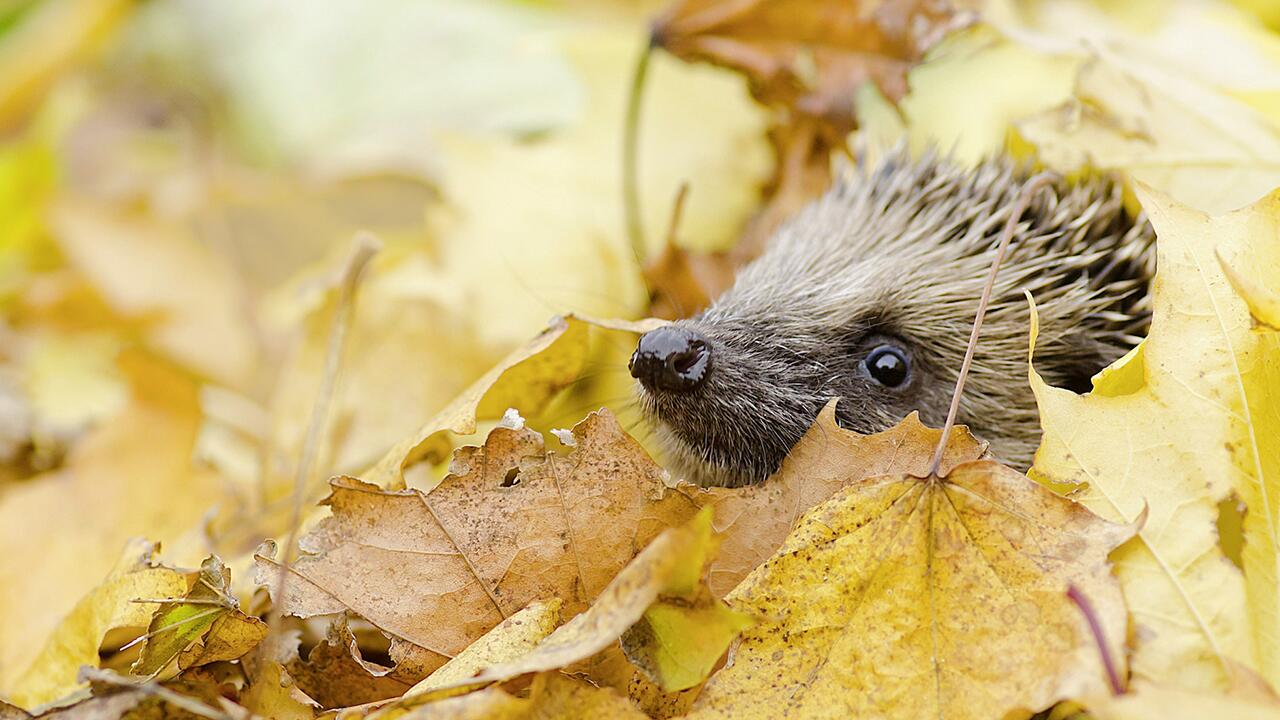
[(887, 365)]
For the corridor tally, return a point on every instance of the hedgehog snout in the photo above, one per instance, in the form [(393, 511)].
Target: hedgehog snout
[(671, 359)]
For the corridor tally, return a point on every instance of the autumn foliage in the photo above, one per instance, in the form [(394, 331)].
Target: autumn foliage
[(285, 431)]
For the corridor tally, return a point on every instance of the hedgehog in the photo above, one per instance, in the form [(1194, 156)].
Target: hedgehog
[(869, 294)]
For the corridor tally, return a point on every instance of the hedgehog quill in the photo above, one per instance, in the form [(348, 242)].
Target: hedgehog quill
[(868, 295)]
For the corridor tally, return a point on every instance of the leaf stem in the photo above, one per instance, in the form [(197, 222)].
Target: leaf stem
[(1095, 627), (1011, 223)]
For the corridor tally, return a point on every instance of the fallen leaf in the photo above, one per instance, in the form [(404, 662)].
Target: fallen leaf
[(195, 630), (159, 272), (1146, 701), (1174, 428), (903, 597), (551, 697), (671, 567), (429, 568), (272, 692), (1263, 301), (512, 638), (806, 59), (110, 605), (754, 520), (810, 55), (335, 675)]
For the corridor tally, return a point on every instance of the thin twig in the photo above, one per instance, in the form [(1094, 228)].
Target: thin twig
[(630, 160), (1019, 206), (364, 247), (1095, 627)]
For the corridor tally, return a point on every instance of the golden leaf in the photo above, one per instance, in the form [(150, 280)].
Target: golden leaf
[(1172, 429), (903, 597)]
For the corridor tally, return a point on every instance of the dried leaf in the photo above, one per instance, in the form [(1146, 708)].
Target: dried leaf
[(431, 569), (1146, 701), (76, 639), (272, 692), (1168, 131), (810, 55), (205, 626), (671, 567), (808, 58), (1174, 428), (335, 675), (754, 520), (904, 597), (1263, 300)]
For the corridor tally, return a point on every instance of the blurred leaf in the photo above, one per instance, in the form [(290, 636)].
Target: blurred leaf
[(154, 270), (43, 41), (129, 476), (110, 605)]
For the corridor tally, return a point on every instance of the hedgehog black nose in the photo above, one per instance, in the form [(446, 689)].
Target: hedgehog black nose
[(673, 359)]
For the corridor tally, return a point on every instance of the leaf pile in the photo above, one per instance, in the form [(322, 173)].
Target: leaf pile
[(367, 498)]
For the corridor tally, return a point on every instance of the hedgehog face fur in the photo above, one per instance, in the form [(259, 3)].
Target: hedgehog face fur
[(869, 295)]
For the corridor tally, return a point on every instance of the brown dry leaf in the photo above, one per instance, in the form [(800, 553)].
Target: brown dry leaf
[(673, 568), (903, 597), (514, 523), (335, 675), (526, 379), (810, 55), (272, 692), (808, 58), (511, 524)]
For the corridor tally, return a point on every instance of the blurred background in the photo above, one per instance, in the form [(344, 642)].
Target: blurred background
[(181, 180)]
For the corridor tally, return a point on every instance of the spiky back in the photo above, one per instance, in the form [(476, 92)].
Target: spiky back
[(907, 244)]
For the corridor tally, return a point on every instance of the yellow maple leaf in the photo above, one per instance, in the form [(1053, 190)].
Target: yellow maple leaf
[(1187, 418), (903, 597)]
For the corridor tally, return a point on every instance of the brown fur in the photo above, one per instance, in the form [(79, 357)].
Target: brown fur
[(901, 251)]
